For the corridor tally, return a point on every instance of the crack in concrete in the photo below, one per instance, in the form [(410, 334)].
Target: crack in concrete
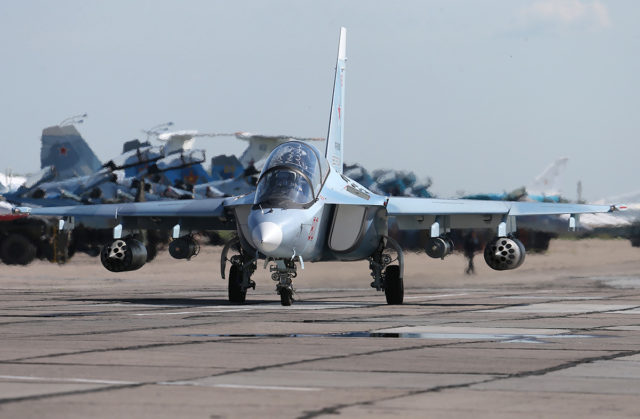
[(335, 409), (69, 393), (225, 373), (123, 348)]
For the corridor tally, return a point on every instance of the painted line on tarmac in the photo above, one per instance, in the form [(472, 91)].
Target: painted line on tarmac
[(237, 386), (274, 306), (564, 308), (250, 387), (426, 297), (166, 383), (174, 313), (64, 380), (547, 297)]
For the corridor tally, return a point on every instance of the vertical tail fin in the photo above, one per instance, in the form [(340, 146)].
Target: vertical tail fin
[(64, 148), (548, 182), (334, 151)]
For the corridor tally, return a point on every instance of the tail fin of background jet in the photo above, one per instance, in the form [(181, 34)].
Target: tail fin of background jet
[(64, 148), (260, 146), (548, 182), (334, 151)]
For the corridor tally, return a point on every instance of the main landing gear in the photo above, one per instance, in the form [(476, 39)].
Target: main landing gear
[(242, 267), (386, 276)]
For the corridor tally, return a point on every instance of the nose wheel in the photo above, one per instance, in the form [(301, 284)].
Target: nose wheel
[(283, 273), (286, 296)]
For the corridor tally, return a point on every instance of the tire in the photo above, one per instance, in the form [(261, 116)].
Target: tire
[(16, 249), (393, 285), (236, 294), (286, 296), (152, 251)]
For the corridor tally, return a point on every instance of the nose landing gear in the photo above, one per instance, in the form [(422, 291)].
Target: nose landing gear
[(283, 273)]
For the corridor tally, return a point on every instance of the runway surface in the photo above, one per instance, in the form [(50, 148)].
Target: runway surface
[(558, 338)]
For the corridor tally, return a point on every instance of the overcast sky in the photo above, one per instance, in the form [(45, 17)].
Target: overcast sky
[(479, 96)]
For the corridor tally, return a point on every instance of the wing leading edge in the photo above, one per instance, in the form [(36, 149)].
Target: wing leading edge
[(181, 208), (426, 206), (197, 214), (422, 213)]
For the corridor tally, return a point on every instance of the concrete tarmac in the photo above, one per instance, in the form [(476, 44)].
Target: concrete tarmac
[(559, 337)]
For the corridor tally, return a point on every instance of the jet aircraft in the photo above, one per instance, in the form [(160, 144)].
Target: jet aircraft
[(306, 210), (544, 187)]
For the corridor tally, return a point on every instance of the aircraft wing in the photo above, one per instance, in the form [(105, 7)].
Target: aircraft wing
[(422, 213), (178, 208), (195, 213), (428, 206)]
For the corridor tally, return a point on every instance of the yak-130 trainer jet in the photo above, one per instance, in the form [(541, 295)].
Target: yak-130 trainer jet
[(306, 210)]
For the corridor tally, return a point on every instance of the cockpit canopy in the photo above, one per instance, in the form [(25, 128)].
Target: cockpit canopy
[(292, 176)]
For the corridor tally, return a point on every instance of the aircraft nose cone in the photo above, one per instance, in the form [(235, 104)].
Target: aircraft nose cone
[(267, 236)]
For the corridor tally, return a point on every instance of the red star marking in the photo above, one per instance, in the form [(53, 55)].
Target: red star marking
[(191, 178), (63, 151)]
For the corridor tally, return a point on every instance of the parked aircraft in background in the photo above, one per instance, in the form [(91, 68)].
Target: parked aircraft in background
[(64, 148), (624, 224), (10, 182), (544, 188), (389, 182), (305, 209), (260, 146)]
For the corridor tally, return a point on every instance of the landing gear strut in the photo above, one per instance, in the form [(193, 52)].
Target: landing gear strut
[(242, 267), (283, 273), (386, 276)]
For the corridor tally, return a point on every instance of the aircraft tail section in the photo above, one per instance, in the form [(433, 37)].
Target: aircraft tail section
[(334, 151), (548, 182), (64, 148)]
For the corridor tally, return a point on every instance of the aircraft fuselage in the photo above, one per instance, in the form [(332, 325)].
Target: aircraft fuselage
[(320, 232)]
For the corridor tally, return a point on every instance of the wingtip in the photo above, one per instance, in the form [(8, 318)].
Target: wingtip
[(619, 207)]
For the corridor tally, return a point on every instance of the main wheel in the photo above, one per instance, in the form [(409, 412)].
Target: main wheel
[(236, 293), (286, 296), (393, 285), (17, 250)]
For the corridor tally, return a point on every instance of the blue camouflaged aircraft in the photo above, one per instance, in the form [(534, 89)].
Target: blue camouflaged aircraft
[(306, 210)]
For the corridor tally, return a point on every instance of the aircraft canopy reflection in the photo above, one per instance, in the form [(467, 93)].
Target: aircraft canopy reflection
[(292, 176)]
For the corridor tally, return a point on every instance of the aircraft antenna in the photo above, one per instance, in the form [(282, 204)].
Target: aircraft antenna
[(75, 119), (157, 129), (579, 191)]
